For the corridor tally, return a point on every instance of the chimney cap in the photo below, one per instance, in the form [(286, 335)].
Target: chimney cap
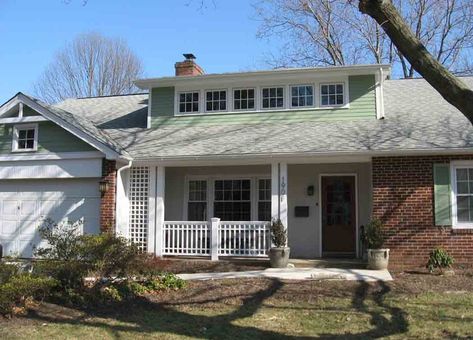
[(189, 56)]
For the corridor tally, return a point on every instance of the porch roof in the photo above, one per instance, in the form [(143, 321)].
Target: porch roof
[(417, 119)]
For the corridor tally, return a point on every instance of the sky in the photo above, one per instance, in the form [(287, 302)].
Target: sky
[(222, 35)]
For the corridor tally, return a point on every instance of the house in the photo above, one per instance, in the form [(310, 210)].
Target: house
[(198, 166)]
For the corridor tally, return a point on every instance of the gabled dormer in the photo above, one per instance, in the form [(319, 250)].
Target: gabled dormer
[(298, 94)]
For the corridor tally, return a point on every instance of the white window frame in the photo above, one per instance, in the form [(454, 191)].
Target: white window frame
[(16, 130), (210, 191), (314, 96), (215, 90), (255, 99), (257, 194), (453, 186), (284, 97), (345, 97), (178, 102)]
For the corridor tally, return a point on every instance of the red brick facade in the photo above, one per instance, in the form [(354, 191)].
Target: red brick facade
[(107, 203), (403, 199)]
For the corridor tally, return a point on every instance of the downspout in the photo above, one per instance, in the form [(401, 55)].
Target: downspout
[(119, 183)]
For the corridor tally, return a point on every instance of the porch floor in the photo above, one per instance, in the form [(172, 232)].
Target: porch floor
[(298, 274)]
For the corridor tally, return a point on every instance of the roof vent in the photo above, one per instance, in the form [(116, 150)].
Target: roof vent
[(189, 56)]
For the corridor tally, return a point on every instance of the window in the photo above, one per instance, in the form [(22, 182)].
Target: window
[(273, 97), (464, 195), (302, 95), (216, 100), (264, 200), (188, 102), (244, 99), (197, 202), (331, 94), (232, 201), (25, 137)]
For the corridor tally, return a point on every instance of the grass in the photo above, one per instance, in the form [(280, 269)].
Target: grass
[(415, 305)]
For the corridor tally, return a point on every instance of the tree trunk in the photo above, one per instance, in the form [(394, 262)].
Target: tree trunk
[(451, 88)]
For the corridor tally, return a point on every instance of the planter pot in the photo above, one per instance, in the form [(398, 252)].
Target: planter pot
[(378, 259), (279, 257)]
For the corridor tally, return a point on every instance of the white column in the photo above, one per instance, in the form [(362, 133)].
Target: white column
[(160, 186), (215, 222), (152, 211), (279, 208), (122, 203)]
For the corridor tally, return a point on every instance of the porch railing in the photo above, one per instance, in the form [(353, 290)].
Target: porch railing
[(216, 238)]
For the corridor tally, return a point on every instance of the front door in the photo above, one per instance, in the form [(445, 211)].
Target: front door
[(338, 216)]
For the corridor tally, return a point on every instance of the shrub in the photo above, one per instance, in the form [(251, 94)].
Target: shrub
[(278, 234), (17, 288), (439, 259), (372, 235), (164, 282)]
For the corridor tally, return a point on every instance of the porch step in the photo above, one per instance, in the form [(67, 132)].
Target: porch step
[(328, 263)]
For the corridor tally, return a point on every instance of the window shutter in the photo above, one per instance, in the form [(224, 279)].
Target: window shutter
[(442, 198)]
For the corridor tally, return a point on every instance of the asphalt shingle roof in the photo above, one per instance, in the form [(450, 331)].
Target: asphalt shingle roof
[(416, 118)]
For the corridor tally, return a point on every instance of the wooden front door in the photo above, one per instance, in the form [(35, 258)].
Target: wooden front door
[(338, 216)]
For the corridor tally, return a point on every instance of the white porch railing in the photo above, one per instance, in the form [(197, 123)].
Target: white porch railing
[(216, 238), (243, 238), (186, 238)]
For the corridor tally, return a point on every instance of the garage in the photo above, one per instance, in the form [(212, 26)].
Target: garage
[(25, 204)]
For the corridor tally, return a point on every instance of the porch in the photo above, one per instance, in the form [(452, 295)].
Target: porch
[(223, 211)]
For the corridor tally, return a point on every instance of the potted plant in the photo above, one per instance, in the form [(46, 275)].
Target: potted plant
[(279, 252), (372, 238)]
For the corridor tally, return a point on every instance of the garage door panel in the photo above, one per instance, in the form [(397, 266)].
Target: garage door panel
[(10, 208), (24, 211)]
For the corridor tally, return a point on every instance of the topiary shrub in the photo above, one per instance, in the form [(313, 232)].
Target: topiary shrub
[(278, 234), (372, 235), (439, 259)]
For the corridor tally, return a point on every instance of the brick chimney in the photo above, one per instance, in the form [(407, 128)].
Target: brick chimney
[(188, 67)]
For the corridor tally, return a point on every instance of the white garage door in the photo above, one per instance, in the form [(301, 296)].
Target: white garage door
[(25, 204)]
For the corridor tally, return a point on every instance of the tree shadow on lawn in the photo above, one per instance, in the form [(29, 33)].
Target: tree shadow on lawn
[(149, 317)]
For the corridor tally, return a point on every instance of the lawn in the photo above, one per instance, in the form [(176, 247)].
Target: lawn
[(414, 305)]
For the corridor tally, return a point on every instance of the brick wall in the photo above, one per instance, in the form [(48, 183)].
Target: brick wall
[(403, 199), (107, 203)]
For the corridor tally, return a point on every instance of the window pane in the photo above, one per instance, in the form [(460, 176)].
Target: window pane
[(237, 105), (251, 104), (462, 187), (182, 97), (30, 134), (30, 144), (196, 96), (339, 88), (463, 204), (197, 211), (324, 89), (265, 93), (294, 91), (324, 100), (462, 174), (264, 211), (22, 144), (265, 103), (195, 107), (236, 94), (251, 93), (21, 134)]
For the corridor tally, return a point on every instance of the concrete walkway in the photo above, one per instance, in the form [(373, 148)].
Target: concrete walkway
[(298, 274)]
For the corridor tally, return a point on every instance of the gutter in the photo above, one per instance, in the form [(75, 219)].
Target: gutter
[(118, 218)]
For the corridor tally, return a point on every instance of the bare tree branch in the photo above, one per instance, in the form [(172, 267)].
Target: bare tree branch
[(92, 65)]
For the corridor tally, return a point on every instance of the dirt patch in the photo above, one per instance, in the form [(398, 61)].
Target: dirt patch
[(180, 266)]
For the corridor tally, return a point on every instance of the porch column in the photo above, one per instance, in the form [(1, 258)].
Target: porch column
[(156, 210), (279, 192)]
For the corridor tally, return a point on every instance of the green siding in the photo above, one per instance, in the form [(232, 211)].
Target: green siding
[(162, 102), (442, 198), (51, 138), (362, 105)]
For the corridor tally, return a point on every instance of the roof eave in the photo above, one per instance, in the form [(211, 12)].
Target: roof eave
[(257, 75)]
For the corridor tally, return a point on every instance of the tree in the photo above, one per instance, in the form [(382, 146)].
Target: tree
[(335, 32), (92, 65), (451, 88)]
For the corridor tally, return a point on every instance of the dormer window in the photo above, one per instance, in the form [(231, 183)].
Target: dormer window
[(244, 99), (332, 94), (302, 96), (25, 137), (189, 102), (215, 100), (272, 97)]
